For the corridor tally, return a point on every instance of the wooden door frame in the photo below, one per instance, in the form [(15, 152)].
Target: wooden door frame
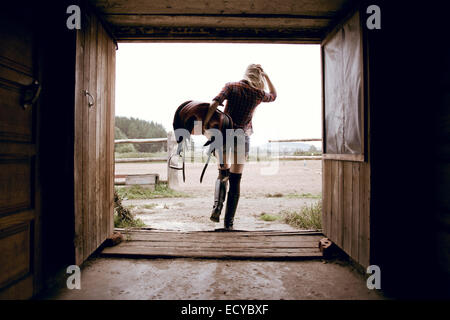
[(363, 158)]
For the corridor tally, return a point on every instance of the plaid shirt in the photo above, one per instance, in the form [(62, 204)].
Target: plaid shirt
[(242, 100)]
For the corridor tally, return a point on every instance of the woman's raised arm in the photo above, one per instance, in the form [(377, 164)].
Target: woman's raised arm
[(270, 84)]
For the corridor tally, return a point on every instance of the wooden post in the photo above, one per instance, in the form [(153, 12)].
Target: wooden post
[(192, 150), (257, 154), (172, 174)]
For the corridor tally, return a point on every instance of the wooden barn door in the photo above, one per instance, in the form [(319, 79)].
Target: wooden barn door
[(19, 178), (94, 136), (346, 162)]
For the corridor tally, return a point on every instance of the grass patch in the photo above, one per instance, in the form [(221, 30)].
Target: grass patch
[(123, 217), (135, 223), (294, 195), (268, 217), (274, 195), (303, 196), (148, 206), (138, 192), (309, 217)]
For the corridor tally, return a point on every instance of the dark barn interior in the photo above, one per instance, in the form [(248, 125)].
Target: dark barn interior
[(57, 158)]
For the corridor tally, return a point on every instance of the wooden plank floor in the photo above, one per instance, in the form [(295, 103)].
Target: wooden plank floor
[(272, 245)]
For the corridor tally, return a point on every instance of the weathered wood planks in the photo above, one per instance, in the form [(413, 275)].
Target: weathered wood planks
[(239, 245), (20, 154), (346, 214), (346, 177), (94, 137)]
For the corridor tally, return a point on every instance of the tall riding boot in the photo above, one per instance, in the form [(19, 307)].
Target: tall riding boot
[(232, 200), (220, 192)]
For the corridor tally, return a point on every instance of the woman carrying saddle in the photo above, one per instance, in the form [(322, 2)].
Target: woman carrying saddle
[(242, 99)]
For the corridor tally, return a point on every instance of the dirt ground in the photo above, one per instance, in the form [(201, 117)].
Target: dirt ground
[(190, 279), (210, 279), (292, 179)]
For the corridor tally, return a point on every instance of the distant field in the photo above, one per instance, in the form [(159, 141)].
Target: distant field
[(289, 177)]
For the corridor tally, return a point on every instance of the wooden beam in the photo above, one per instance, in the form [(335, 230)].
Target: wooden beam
[(315, 8), (218, 34), (229, 21)]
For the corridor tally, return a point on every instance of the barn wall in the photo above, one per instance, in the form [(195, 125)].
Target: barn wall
[(346, 182), (409, 160), (346, 207), (20, 205), (57, 45), (94, 136), (404, 207), (440, 129), (442, 171)]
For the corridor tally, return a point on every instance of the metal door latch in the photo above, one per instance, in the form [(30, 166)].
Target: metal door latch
[(31, 94), (91, 100)]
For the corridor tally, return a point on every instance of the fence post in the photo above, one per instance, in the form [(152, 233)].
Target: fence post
[(192, 150), (172, 174)]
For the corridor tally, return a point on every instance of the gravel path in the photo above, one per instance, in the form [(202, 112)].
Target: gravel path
[(292, 179)]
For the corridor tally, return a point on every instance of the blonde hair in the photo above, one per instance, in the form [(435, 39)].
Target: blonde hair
[(254, 76)]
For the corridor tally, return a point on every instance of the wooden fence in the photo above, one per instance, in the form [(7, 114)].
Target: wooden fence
[(172, 175), (298, 157)]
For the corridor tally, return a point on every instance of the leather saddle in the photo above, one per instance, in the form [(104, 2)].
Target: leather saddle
[(185, 116)]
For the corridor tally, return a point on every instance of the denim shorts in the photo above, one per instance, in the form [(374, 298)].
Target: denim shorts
[(238, 158), (246, 147)]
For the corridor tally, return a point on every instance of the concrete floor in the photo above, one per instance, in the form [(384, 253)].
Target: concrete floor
[(191, 279)]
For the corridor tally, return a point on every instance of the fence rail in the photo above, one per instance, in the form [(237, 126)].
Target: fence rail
[(298, 157), (295, 140), (133, 160), (172, 176), (152, 140)]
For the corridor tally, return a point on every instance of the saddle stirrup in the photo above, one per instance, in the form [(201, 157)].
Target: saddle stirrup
[(180, 153)]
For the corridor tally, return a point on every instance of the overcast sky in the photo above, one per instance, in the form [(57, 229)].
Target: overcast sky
[(153, 79)]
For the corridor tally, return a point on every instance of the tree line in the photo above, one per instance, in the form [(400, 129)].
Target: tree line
[(134, 128)]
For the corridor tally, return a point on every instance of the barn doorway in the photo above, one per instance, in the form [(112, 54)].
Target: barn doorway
[(346, 167), (282, 180)]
